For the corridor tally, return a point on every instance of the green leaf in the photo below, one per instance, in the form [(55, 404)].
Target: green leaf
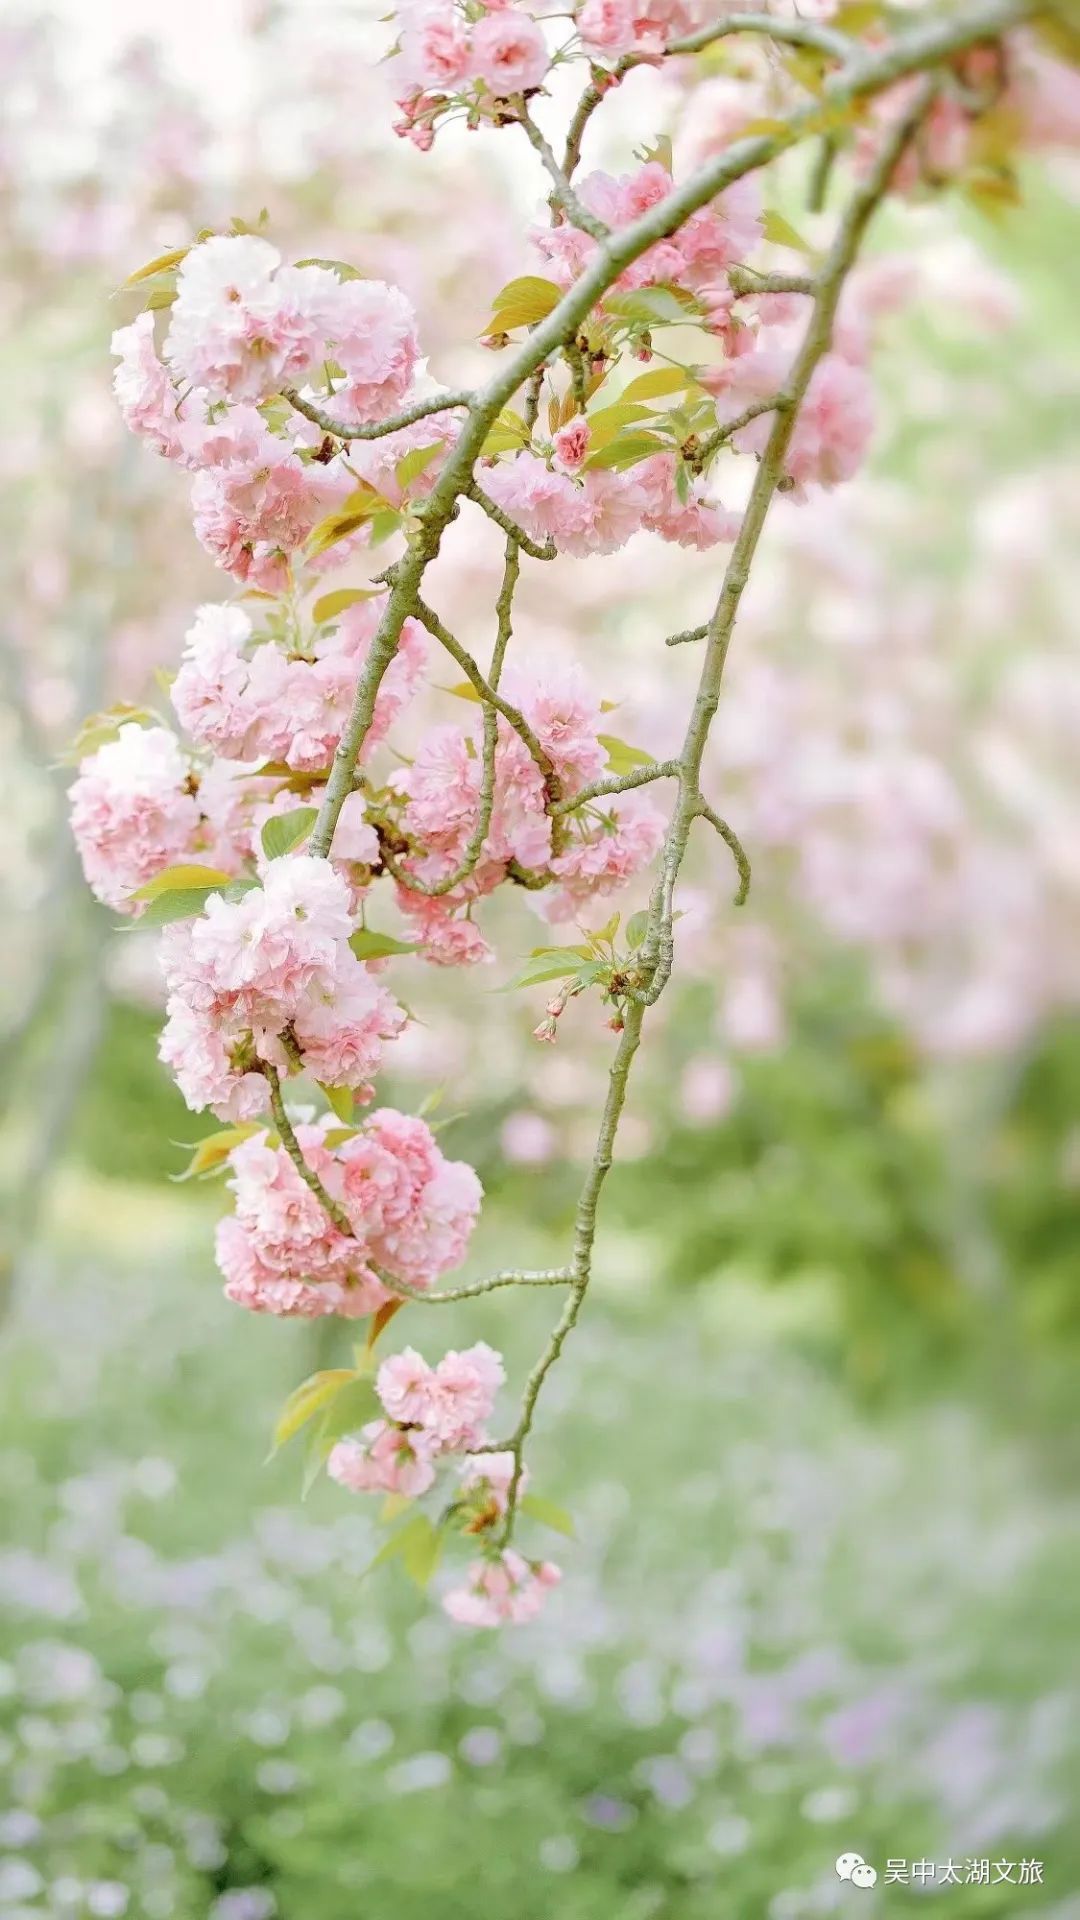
[(636, 928), (627, 451), (399, 1543), (367, 944), (341, 1100), (463, 690), (548, 1514), (171, 879), (212, 1152), (341, 267), (621, 757), (658, 382), (782, 234), (606, 422), (309, 1398), (413, 464), (185, 902), (559, 964), (355, 1403), (422, 1554), (355, 512), (508, 432), (284, 831), (523, 303), (162, 263), (650, 306), (99, 728), (331, 604)]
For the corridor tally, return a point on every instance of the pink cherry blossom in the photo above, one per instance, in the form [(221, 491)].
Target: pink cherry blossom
[(384, 1460), (133, 812), (148, 402), (507, 1589), (509, 52)]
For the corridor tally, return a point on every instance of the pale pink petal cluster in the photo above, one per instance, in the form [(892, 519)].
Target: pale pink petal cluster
[(506, 1589), (714, 238), (277, 958), (446, 52), (410, 1209), (451, 1402), (133, 812), (242, 695)]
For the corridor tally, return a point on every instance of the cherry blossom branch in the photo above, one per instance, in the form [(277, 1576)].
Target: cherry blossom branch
[(375, 430), (912, 52), (712, 443), (563, 192), (535, 551), (295, 1152), (748, 280), (490, 696), (510, 1277), (657, 951), (734, 844), (619, 783)]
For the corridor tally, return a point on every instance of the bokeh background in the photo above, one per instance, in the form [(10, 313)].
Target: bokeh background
[(818, 1426)]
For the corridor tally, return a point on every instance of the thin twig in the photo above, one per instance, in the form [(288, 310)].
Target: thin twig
[(548, 551), (375, 430), (619, 783), (295, 1152), (732, 841), (563, 191)]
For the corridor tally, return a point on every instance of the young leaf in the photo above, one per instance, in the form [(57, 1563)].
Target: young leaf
[(421, 1552), (183, 904), (523, 303), (621, 757), (369, 945), (636, 928), (162, 263), (509, 431), (308, 1399), (548, 1514), (214, 1150), (399, 1543), (651, 306), (626, 451), (340, 1100), (284, 831), (783, 234), (172, 878), (340, 267), (658, 382), (354, 513), (413, 464), (331, 604), (354, 1404)]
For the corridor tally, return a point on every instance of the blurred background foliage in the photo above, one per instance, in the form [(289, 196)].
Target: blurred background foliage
[(818, 1427)]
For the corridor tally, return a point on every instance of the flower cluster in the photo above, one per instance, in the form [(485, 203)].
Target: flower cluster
[(410, 1212), (270, 979), (477, 56), (430, 1412)]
